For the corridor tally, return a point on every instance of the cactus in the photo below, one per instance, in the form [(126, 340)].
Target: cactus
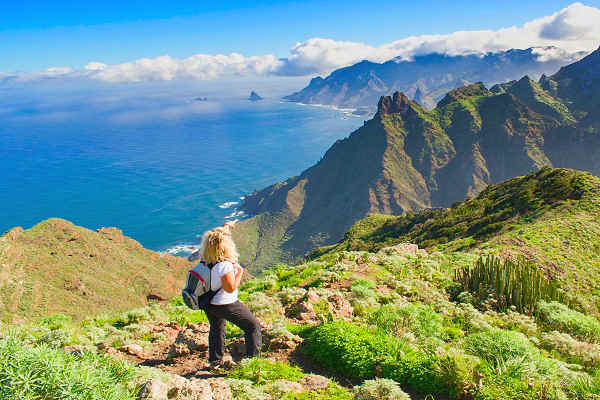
[(515, 283)]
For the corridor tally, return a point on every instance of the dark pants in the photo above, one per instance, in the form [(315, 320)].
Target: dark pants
[(238, 314)]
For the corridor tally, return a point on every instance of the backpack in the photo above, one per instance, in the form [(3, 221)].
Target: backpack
[(197, 293)]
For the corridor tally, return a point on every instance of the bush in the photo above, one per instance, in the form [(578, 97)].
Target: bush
[(41, 372), (57, 321), (498, 346), (557, 316), (242, 389), (571, 349), (380, 389), (291, 295), (264, 306), (360, 352), (259, 370), (421, 319)]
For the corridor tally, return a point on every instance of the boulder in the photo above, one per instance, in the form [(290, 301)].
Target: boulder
[(314, 382), (154, 390), (405, 249), (132, 349)]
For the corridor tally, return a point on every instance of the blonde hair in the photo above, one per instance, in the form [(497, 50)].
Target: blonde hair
[(217, 245)]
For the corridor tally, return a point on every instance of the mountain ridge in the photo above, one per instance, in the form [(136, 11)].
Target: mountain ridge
[(425, 78), (407, 158)]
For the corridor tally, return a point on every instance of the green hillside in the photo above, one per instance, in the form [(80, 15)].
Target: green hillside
[(59, 267), (370, 318), (551, 216)]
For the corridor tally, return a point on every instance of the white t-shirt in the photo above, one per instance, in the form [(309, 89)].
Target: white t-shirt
[(222, 297)]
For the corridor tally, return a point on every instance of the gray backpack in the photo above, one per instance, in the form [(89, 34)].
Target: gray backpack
[(197, 293)]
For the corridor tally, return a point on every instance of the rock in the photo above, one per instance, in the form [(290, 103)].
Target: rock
[(190, 339), (106, 348), (313, 297), (13, 234), (405, 249), (254, 96), (314, 382), (220, 389), (193, 389), (154, 390), (133, 349), (339, 306)]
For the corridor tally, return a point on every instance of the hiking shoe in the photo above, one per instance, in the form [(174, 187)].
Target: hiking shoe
[(225, 364)]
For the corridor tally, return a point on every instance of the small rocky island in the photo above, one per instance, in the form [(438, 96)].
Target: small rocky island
[(254, 96)]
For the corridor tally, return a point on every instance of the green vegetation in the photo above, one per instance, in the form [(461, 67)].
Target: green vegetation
[(42, 372), (558, 316)]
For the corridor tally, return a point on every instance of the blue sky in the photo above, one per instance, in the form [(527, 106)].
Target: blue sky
[(35, 35)]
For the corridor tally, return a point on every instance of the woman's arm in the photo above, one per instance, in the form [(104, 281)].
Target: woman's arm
[(231, 280)]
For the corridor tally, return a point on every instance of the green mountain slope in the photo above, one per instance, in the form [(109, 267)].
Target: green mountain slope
[(551, 216), (407, 158), (59, 267)]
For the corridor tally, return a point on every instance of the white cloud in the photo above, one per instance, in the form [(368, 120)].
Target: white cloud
[(573, 29)]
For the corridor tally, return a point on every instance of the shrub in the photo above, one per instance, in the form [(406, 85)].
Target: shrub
[(498, 346), (56, 338), (559, 317), (291, 295), (41, 372), (363, 288), (264, 306), (57, 321), (571, 349), (260, 370), (363, 353), (421, 319), (380, 389), (520, 284), (242, 389), (513, 321)]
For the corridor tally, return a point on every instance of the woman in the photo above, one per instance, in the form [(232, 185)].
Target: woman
[(218, 249)]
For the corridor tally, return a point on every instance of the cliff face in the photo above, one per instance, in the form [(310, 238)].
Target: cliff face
[(407, 158), (425, 79)]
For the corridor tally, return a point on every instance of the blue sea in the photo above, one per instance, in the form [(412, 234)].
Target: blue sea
[(164, 172)]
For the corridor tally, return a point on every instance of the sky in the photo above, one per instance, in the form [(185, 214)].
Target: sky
[(140, 41)]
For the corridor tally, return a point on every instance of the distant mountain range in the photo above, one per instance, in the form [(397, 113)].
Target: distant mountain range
[(427, 78), (408, 158)]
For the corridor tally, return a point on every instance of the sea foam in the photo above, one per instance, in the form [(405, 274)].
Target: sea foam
[(228, 204)]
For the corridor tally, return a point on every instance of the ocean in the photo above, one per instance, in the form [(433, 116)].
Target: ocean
[(163, 175)]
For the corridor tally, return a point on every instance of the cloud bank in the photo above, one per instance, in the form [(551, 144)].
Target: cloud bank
[(573, 29)]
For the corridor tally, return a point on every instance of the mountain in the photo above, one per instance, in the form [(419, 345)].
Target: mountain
[(408, 158), (426, 78), (498, 301), (254, 96), (59, 267)]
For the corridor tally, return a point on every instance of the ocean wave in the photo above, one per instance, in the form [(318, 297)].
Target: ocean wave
[(228, 204), (236, 214), (182, 249)]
